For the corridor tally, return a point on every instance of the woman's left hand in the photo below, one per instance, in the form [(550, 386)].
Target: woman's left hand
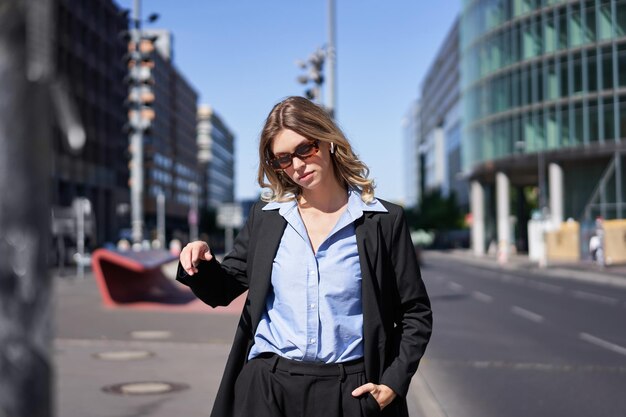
[(381, 393)]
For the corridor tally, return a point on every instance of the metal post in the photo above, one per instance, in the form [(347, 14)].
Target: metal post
[(161, 219), (193, 215), (80, 237), (332, 60), (136, 186), (136, 144), (229, 237), (25, 138)]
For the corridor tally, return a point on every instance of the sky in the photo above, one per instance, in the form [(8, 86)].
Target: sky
[(240, 56)]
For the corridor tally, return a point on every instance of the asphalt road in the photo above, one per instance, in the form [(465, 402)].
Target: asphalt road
[(511, 344)]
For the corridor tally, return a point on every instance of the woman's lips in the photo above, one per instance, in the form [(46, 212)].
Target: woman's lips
[(305, 176)]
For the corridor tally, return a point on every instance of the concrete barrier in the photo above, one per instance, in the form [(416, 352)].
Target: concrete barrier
[(563, 244), (614, 241)]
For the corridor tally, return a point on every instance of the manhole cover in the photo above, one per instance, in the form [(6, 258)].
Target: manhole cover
[(145, 388), (151, 334), (123, 355)]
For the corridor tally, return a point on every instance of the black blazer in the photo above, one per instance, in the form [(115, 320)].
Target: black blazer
[(397, 318)]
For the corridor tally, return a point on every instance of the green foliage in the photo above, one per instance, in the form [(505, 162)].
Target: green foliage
[(436, 212)]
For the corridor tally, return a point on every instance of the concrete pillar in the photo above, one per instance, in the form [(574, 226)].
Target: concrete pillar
[(477, 207), (503, 214), (555, 177), (26, 375)]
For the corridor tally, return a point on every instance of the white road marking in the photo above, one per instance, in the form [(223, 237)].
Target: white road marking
[(603, 343), (513, 279), (554, 289), (480, 296), (595, 297), (522, 312), (454, 286)]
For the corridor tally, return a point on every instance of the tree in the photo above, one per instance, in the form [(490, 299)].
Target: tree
[(436, 212)]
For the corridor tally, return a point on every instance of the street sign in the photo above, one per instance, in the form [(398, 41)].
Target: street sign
[(230, 215)]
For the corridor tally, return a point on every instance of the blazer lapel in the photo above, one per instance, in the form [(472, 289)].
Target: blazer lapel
[(367, 241), (269, 235)]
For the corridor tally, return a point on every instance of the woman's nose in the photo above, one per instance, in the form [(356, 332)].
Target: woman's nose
[(297, 163)]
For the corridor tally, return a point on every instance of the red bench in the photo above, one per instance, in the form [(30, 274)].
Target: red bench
[(134, 279)]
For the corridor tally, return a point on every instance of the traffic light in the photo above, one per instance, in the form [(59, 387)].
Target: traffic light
[(315, 66), (140, 81)]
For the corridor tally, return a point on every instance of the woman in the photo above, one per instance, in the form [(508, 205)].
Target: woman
[(337, 317)]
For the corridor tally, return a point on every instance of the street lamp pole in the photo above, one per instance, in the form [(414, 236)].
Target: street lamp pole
[(331, 52)]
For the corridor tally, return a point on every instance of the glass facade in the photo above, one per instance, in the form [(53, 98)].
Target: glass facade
[(216, 153), (541, 75)]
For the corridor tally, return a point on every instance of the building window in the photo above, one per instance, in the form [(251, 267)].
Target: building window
[(575, 26), (604, 20), (551, 81), (590, 21), (622, 118), (620, 18), (607, 68), (592, 71), (549, 33), (562, 28), (577, 73), (621, 64), (609, 119)]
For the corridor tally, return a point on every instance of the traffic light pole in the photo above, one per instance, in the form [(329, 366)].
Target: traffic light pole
[(136, 142)]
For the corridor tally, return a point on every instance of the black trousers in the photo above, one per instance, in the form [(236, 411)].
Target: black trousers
[(271, 386)]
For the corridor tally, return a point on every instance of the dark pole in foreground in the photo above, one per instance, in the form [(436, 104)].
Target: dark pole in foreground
[(25, 287)]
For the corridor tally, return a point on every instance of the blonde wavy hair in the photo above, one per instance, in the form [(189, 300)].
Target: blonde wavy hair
[(311, 121)]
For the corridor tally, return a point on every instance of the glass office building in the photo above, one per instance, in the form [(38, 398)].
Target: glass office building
[(544, 83)]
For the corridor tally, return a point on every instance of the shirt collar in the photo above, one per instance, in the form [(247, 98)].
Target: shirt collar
[(356, 206)]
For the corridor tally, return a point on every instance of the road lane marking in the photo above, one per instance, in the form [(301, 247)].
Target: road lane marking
[(595, 297), (454, 286), (480, 296), (522, 312), (529, 366), (512, 278), (554, 289), (603, 343)]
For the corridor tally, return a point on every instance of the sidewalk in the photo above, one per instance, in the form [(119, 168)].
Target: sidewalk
[(586, 271), (177, 357)]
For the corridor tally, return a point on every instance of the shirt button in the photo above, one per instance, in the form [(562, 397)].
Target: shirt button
[(313, 340), (312, 306)]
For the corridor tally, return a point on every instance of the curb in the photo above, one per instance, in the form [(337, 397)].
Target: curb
[(424, 397), (556, 272)]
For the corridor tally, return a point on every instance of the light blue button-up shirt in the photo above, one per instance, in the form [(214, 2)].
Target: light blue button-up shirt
[(313, 311)]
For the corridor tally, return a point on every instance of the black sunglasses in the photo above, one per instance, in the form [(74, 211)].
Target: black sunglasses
[(303, 151)]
